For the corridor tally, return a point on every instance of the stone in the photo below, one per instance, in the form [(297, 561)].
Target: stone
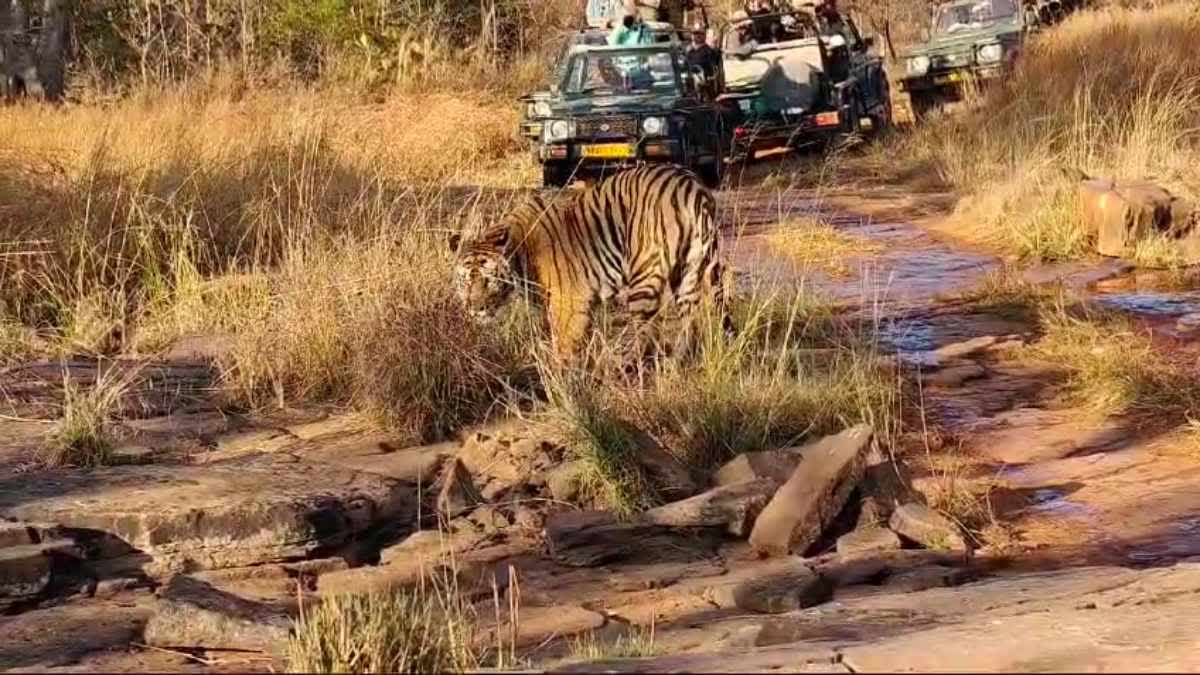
[(458, 493), (563, 481), (733, 507), (189, 613), (632, 578), (541, 625), (930, 576), (24, 573), (589, 539), (334, 425), (960, 350), (868, 539), (954, 375), (785, 593), (776, 465), (490, 519), (431, 546), (254, 441), (886, 484), (669, 476), (419, 466), (38, 639), (108, 588), (1119, 214), (242, 512), (528, 519), (507, 457), (817, 491), (922, 525), (18, 533)]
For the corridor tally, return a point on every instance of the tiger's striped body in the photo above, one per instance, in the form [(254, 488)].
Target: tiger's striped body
[(633, 236)]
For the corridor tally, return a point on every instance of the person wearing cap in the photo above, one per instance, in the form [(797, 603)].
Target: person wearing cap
[(702, 55)]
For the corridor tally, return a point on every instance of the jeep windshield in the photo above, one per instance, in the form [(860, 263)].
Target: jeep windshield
[(968, 16), (614, 71)]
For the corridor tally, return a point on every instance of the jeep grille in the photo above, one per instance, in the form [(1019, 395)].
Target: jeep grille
[(614, 125), (951, 60)]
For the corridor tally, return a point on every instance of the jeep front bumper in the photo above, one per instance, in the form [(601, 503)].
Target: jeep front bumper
[(588, 154), (950, 77)]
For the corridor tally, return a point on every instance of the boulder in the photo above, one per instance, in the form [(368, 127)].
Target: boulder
[(733, 507), (1119, 214), (924, 526), (458, 493), (507, 458), (776, 465), (813, 496), (886, 484), (868, 539), (190, 613), (242, 512)]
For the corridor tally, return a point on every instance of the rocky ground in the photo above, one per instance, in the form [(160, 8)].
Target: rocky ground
[(195, 552)]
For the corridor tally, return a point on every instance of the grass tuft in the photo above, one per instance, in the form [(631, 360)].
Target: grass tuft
[(638, 642), (398, 631), (812, 242), (83, 435)]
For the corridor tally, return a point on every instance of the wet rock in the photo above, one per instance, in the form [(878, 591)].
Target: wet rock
[(868, 539), (458, 493), (923, 525), (817, 491), (777, 465), (589, 539), (243, 512), (192, 613), (733, 507)]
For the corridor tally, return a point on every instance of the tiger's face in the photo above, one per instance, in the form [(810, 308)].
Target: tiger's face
[(483, 281)]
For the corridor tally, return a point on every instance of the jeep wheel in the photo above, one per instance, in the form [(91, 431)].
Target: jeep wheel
[(556, 175), (710, 174)]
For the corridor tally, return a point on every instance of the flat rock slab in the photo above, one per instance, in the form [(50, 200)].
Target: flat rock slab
[(25, 570), (242, 512), (923, 525), (191, 613), (35, 640), (590, 539)]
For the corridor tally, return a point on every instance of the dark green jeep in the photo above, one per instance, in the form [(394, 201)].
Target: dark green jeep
[(969, 41), (618, 107)]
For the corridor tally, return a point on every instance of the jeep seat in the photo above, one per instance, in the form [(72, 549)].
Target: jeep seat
[(788, 73)]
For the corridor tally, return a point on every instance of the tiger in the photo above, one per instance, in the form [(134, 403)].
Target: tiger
[(630, 236)]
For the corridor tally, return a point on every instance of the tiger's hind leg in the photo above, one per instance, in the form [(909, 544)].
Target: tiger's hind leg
[(703, 281), (643, 301)]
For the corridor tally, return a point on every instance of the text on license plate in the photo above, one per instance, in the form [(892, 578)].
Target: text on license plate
[(609, 150)]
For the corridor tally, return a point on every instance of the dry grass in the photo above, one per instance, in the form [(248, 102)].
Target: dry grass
[(814, 243), (83, 434), (1114, 368), (1114, 92), (400, 631), (637, 642)]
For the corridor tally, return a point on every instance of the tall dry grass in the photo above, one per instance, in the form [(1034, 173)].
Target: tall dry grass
[(1113, 92)]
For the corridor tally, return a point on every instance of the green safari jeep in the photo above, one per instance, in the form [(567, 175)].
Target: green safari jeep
[(969, 40)]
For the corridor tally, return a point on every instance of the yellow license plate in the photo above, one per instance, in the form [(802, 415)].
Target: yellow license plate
[(609, 151), (949, 77)]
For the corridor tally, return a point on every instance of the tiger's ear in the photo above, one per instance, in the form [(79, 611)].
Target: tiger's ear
[(454, 241)]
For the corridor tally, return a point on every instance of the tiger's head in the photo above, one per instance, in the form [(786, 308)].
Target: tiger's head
[(483, 274), (489, 266)]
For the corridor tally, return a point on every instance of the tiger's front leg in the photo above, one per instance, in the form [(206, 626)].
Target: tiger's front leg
[(570, 316)]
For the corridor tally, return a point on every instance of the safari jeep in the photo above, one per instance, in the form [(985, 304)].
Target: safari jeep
[(796, 79), (535, 106), (618, 107), (970, 41)]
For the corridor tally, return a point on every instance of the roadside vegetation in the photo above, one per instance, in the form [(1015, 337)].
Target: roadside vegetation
[(1109, 93)]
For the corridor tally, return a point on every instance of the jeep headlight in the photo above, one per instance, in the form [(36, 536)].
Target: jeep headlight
[(541, 109), (558, 130), (653, 126), (918, 65), (990, 53)]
